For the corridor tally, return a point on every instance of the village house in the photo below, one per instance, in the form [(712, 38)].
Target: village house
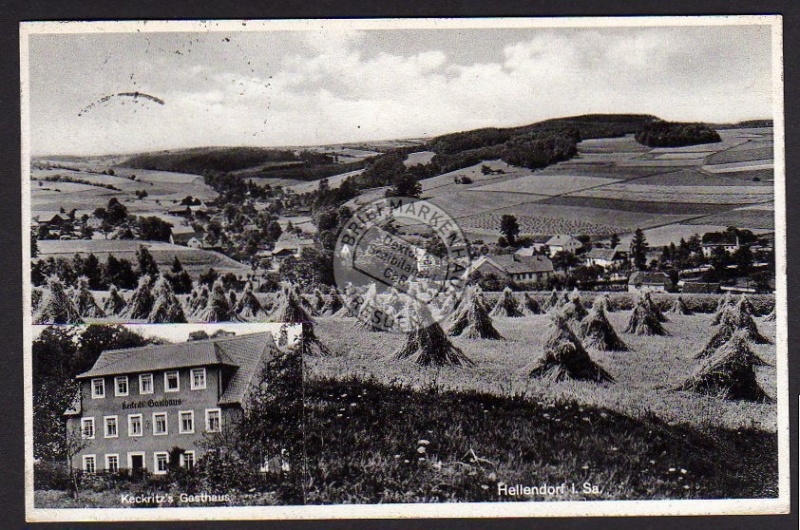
[(537, 244), (517, 268), (725, 240), (563, 243), (605, 257), (647, 281), (50, 218), (136, 404), (186, 236)]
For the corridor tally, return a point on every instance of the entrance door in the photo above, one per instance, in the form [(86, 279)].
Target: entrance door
[(136, 463)]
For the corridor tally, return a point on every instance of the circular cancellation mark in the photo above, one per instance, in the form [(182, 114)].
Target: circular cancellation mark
[(400, 264)]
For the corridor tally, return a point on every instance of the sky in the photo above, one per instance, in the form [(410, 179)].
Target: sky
[(336, 85)]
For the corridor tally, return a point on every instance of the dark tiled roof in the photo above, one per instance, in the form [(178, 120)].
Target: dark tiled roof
[(523, 264), (231, 351), (608, 254), (719, 238)]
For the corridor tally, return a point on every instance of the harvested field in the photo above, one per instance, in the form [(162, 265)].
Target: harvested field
[(750, 219), (738, 154), (698, 155), (467, 203), (420, 157), (633, 206), (500, 368), (694, 177), (539, 218), (674, 194), (610, 171), (195, 261), (334, 182), (753, 165), (545, 185)]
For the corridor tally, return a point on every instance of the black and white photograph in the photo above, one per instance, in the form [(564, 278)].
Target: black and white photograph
[(488, 267)]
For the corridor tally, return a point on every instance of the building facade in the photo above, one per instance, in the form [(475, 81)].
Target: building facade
[(518, 268), (136, 405)]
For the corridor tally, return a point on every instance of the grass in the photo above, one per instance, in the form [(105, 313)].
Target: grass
[(643, 376), (456, 446)]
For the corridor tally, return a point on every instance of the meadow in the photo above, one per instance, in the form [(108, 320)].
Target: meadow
[(644, 376), (459, 433)]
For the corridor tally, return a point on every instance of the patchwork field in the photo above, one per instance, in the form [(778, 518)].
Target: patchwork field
[(675, 194), (164, 190), (545, 185), (195, 261), (540, 218), (745, 218)]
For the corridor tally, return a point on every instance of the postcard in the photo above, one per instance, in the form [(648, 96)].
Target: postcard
[(379, 268)]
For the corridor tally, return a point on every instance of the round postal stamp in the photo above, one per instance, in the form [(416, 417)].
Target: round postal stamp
[(400, 264)]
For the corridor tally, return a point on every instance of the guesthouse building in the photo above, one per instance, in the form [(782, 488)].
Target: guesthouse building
[(135, 405)]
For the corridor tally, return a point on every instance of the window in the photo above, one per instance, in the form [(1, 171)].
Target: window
[(112, 463), (146, 383), (98, 388), (171, 382), (111, 426), (87, 428), (186, 421), (187, 459), (213, 420), (135, 425), (198, 378), (161, 463), (121, 385), (159, 423), (89, 464)]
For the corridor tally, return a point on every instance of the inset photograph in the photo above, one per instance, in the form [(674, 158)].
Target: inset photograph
[(167, 415)]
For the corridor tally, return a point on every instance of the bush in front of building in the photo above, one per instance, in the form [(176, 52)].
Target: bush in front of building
[(49, 475)]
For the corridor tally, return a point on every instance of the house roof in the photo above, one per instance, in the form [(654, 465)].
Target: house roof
[(562, 240), (43, 216), (608, 254), (180, 229), (648, 278), (719, 238), (231, 351), (291, 242), (514, 264)]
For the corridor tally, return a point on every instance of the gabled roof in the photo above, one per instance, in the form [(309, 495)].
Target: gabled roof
[(719, 238), (230, 351), (608, 254), (180, 229), (562, 240), (291, 242), (513, 264)]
